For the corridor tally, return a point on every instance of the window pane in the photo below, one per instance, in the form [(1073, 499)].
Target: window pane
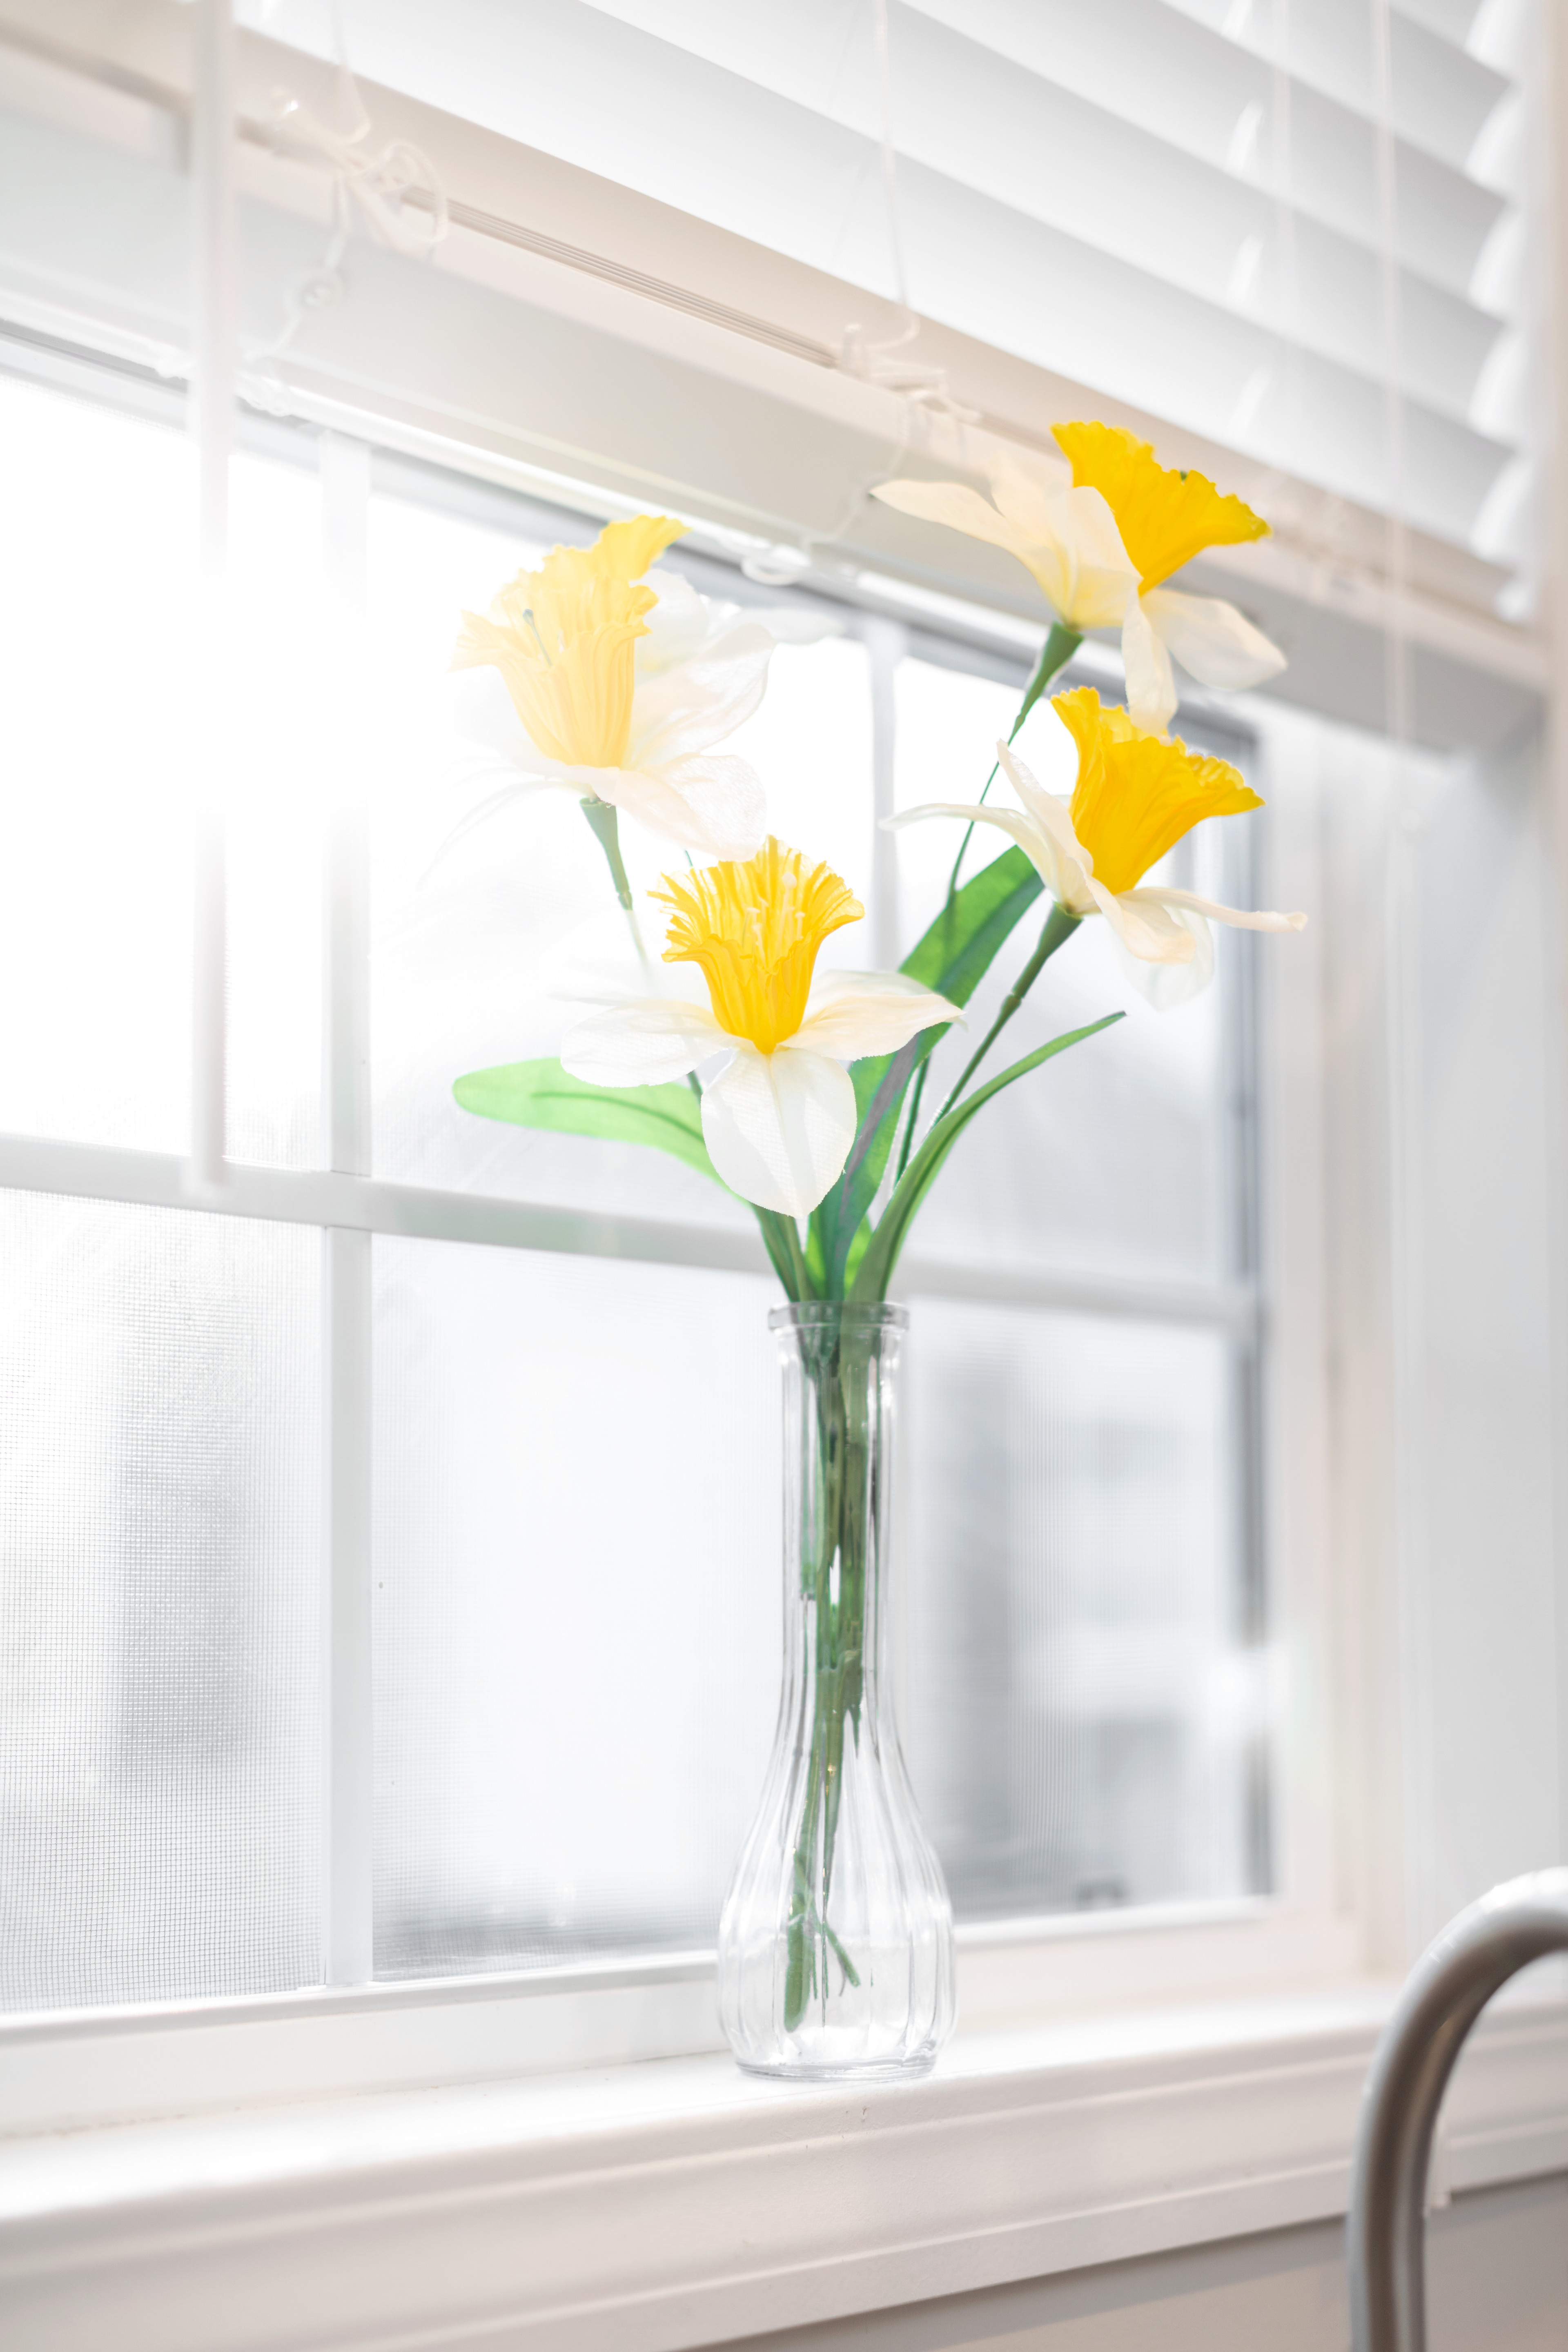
[(1119, 1157), (99, 729), (95, 868), (160, 1589), (1085, 1714), (577, 1605)]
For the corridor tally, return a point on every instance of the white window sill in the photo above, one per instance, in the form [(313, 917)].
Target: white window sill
[(672, 2203)]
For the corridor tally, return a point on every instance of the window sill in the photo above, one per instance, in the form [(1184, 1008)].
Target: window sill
[(647, 2208)]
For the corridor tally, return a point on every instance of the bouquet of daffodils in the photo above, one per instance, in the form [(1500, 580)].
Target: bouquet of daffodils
[(804, 1093)]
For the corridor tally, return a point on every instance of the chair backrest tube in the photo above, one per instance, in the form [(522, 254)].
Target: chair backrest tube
[(1447, 1989)]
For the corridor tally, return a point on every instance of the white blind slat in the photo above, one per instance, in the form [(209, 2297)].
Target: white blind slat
[(1047, 207), (1143, 198)]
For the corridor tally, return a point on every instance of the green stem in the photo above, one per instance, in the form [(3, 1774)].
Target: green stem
[(1059, 925), (1058, 649), (833, 1538), (781, 1238), (603, 821), (907, 1146)]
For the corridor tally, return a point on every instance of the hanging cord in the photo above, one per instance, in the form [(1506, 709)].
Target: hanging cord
[(878, 363), (921, 391), (393, 193)]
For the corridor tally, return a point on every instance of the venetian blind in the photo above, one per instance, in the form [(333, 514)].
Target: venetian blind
[(1295, 228)]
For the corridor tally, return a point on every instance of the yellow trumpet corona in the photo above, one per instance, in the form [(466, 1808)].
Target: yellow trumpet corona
[(564, 638), (754, 928), (1137, 795), (1164, 516)]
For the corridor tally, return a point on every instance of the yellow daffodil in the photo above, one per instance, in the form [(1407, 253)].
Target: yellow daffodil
[(1136, 796), (1066, 537), (779, 1119), (618, 687), (1100, 540), (1164, 518)]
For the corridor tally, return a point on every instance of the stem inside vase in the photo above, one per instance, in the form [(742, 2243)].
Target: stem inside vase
[(835, 1938), (839, 1510)]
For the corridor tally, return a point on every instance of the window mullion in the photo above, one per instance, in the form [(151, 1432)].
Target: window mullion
[(212, 420), (346, 1251)]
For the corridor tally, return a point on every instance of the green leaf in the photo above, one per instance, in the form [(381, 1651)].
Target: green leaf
[(959, 949), (952, 958), (542, 1094), (669, 1118), (882, 1253)]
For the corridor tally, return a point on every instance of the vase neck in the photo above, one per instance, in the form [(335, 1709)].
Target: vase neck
[(840, 1367)]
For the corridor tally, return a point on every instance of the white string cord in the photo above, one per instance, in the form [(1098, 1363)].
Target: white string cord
[(393, 193), (878, 363)]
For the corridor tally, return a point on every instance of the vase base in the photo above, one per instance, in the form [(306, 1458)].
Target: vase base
[(870, 2070)]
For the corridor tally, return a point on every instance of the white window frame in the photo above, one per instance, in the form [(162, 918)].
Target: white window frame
[(1007, 1964), (1300, 1934)]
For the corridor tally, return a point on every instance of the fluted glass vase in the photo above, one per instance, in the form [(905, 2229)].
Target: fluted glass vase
[(835, 1943)]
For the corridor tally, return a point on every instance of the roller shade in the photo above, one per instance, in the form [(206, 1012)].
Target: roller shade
[(1177, 203)]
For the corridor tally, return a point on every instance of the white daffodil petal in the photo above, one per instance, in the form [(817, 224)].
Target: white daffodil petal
[(1237, 917), (1151, 687), (852, 1013), (795, 624), (482, 711), (1146, 927), (679, 624), (726, 808), (778, 1126), (1166, 983), (696, 704), (1068, 866), (1036, 846), (1101, 575), (1027, 489), (1051, 814), (1209, 637), (962, 509), (715, 806), (642, 1044)]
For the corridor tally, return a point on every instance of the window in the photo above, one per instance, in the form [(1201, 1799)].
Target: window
[(570, 1392), (385, 1670)]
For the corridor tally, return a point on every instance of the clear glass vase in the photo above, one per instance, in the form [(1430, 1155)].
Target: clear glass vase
[(835, 1943)]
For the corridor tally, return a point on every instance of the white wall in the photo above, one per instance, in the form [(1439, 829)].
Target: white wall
[(1444, 1105)]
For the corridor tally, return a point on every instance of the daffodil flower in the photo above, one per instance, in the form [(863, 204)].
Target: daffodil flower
[(617, 688), (1065, 536), (1164, 518), (1136, 796), (780, 1116), (1099, 542)]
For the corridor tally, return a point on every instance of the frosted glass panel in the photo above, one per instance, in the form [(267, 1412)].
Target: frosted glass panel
[(160, 1604), (1120, 1156), (578, 1603), (1086, 1702)]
